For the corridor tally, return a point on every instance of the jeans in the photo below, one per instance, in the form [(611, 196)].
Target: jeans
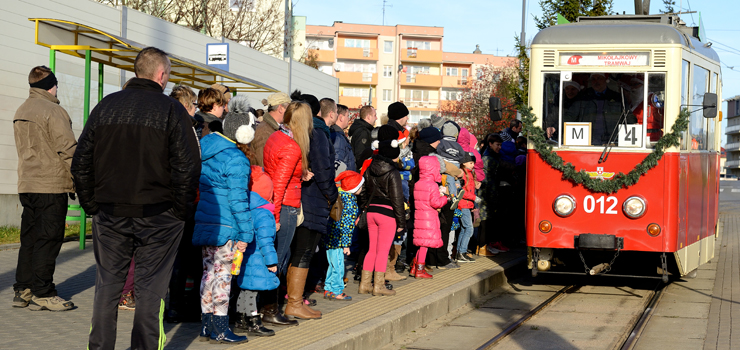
[(405, 186), (288, 222), (451, 184), (335, 274), (466, 232)]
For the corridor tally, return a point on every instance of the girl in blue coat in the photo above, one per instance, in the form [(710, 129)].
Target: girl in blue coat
[(259, 267), (223, 222)]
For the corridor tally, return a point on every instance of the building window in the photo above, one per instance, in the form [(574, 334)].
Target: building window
[(450, 95), (355, 92), (388, 46), (416, 95), (387, 95), (356, 67), (452, 72), (413, 70), (320, 44), (419, 45), (387, 71), (361, 43)]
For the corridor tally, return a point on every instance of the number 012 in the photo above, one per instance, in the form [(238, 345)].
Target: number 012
[(589, 204)]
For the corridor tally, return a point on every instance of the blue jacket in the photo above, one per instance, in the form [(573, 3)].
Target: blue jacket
[(223, 211), (343, 149), (340, 233), (320, 193), (261, 253)]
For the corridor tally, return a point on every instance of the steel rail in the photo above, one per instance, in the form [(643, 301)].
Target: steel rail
[(641, 323), (511, 328)]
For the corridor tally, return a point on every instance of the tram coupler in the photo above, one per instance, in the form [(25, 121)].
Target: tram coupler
[(598, 268)]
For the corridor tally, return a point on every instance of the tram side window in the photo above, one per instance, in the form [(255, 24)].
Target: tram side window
[(655, 107), (551, 105), (711, 136), (697, 122), (684, 96)]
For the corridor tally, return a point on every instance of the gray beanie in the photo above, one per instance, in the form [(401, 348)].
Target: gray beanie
[(238, 127), (450, 129), (437, 121), (423, 123)]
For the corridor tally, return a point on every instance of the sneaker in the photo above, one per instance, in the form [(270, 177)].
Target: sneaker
[(469, 256), (492, 250), (127, 302), (450, 266), (501, 247), (462, 258), (22, 297), (54, 303)]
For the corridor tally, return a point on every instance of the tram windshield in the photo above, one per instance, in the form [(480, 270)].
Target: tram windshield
[(600, 108)]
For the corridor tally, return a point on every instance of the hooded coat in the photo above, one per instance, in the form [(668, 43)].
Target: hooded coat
[(319, 194), (427, 200), (261, 253), (469, 144), (223, 212)]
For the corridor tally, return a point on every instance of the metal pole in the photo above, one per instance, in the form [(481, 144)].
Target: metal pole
[(85, 114), (53, 60), (100, 82), (524, 22)]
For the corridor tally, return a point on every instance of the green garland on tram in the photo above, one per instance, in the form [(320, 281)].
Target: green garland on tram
[(621, 180)]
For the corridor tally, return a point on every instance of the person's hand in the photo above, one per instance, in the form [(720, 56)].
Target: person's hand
[(442, 189), (478, 199), (399, 230), (277, 227), (307, 176), (241, 246), (272, 269), (550, 131), (477, 185), (345, 251), (459, 175)]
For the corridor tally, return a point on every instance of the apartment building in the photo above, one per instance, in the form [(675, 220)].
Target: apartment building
[(379, 65), (733, 136)]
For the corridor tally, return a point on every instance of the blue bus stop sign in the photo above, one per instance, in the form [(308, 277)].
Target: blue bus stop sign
[(217, 55)]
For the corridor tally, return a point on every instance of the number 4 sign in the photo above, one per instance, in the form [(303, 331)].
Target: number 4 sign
[(630, 135)]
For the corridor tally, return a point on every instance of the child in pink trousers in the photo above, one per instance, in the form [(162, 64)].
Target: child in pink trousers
[(427, 201)]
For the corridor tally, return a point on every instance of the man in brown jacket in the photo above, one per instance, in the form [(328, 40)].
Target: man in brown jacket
[(45, 144), (276, 104)]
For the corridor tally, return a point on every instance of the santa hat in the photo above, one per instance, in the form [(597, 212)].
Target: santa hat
[(402, 136), (350, 181)]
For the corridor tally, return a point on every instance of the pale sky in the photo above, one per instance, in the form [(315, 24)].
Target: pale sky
[(492, 24)]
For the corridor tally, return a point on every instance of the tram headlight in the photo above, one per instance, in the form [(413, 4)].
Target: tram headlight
[(564, 205), (634, 207)]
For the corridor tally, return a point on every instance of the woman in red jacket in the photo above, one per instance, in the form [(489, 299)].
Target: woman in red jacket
[(286, 162)]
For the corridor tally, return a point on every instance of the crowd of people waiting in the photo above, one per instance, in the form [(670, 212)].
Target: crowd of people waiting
[(274, 201)]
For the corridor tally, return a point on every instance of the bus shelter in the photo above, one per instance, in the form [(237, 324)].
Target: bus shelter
[(94, 45)]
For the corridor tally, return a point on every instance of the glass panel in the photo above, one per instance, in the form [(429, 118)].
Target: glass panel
[(388, 47), (697, 123), (684, 97), (550, 105), (655, 106), (599, 103), (711, 126)]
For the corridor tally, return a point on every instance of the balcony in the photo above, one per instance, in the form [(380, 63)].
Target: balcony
[(424, 80), (428, 56), (735, 146), (732, 164), (734, 129), (357, 53), (454, 81), (355, 102), (357, 78), (428, 105), (323, 55)]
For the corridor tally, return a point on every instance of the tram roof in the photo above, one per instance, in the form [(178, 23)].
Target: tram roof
[(74, 39)]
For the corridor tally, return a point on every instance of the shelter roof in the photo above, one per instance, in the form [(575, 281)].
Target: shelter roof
[(74, 39)]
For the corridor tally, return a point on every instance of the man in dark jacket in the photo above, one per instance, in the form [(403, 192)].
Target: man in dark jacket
[(345, 157), (45, 144), (359, 135), (136, 170)]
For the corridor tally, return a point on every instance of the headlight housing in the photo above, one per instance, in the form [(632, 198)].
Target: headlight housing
[(634, 207), (564, 205)]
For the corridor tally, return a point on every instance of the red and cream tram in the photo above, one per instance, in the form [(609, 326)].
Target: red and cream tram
[(606, 89)]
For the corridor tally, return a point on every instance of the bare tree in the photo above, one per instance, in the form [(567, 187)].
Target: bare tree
[(259, 24)]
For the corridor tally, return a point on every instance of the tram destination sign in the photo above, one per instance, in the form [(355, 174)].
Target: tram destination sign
[(605, 59)]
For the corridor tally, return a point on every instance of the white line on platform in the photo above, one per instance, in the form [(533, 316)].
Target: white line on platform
[(736, 190)]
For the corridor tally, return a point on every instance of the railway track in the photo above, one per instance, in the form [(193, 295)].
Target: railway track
[(628, 341)]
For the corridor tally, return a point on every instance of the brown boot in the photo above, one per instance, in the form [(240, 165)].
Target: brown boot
[(296, 280), (390, 270), (379, 287), (366, 283)]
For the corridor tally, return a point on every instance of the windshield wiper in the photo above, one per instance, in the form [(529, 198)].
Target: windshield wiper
[(608, 147)]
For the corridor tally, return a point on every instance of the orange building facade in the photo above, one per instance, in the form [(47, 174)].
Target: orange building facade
[(379, 65)]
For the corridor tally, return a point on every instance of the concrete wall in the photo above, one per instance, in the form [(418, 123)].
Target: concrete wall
[(20, 54)]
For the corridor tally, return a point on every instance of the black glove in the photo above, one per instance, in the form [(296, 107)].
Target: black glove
[(72, 196)]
